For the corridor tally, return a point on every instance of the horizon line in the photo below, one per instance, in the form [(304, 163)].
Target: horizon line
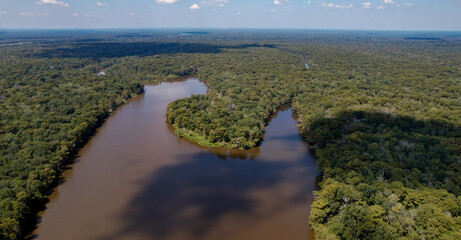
[(228, 28)]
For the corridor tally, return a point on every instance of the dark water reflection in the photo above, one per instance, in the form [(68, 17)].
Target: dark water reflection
[(137, 180)]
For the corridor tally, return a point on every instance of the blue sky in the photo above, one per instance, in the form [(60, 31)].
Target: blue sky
[(313, 14)]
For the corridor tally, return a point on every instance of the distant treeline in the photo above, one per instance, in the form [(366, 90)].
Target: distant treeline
[(49, 108), (383, 116), (383, 119)]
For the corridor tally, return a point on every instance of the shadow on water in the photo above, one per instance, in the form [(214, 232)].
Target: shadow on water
[(206, 188), (194, 195), (289, 138), (129, 185)]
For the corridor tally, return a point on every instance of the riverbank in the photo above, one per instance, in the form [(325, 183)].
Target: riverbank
[(67, 158), (136, 179), (204, 142), (85, 132)]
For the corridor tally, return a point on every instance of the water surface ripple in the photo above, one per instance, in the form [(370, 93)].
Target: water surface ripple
[(135, 179)]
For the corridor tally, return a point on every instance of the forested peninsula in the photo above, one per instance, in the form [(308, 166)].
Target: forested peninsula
[(381, 110)]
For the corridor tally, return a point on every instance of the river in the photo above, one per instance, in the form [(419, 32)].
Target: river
[(135, 179)]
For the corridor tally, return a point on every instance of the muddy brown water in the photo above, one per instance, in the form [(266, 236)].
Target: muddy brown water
[(135, 179)]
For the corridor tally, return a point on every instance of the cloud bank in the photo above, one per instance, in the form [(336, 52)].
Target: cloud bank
[(54, 2), (166, 1)]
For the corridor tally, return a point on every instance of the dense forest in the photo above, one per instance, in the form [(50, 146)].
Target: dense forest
[(383, 119), (382, 111), (386, 128)]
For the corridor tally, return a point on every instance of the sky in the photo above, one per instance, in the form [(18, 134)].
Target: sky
[(442, 15)]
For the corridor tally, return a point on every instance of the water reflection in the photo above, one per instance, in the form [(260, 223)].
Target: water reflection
[(203, 197), (137, 180)]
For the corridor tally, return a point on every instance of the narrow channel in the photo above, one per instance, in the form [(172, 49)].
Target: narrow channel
[(135, 179)]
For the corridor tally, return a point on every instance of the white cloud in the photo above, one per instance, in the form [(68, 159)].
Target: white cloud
[(3, 12), (366, 5), (389, 2), (332, 5), (341, 6), (101, 4), (405, 5), (33, 14), (75, 14), (194, 6), (239, 13), (166, 1), (309, 2), (54, 2), (380, 7), (220, 3), (277, 2)]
